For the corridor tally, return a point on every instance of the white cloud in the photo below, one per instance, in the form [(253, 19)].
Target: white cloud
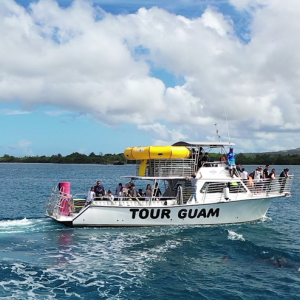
[(161, 135), (55, 113), (23, 143), (6, 111), (22, 146), (83, 60)]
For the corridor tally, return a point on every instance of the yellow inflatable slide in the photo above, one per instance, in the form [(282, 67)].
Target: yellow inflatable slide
[(157, 152)]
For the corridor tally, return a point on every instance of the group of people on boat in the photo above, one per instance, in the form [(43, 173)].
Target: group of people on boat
[(261, 178), (258, 174), (127, 192)]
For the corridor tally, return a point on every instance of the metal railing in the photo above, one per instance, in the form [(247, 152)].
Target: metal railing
[(58, 202), (170, 167), (210, 192), (245, 189)]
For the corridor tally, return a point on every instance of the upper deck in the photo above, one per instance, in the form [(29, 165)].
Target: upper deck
[(180, 160)]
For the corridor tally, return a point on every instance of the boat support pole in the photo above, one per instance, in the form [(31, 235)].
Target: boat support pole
[(137, 199)]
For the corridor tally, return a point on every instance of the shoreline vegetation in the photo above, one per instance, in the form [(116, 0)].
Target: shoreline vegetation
[(119, 159)]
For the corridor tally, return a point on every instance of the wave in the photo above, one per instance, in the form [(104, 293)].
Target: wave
[(27, 225), (9, 223), (235, 236)]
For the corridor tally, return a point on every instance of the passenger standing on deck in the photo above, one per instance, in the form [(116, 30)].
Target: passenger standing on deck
[(194, 180), (272, 175), (118, 189), (148, 192), (90, 197), (231, 162), (199, 164), (258, 179), (205, 159), (123, 194), (99, 189), (110, 196), (141, 195), (239, 168), (244, 175), (156, 192), (283, 177), (132, 191), (265, 176), (284, 173), (266, 171)]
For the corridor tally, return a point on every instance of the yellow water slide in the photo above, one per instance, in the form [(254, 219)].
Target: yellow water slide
[(155, 152)]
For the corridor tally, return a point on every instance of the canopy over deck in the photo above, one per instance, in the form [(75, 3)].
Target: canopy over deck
[(204, 144)]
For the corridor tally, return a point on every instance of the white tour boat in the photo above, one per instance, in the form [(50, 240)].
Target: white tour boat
[(191, 194)]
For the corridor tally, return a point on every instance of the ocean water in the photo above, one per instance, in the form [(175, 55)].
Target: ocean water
[(40, 259)]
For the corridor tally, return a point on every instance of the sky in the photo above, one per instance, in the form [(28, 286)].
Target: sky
[(101, 76)]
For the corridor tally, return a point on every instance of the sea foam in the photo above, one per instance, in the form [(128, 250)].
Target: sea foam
[(235, 236)]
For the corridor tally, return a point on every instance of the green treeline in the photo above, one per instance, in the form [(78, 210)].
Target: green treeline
[(119, 159), (74, 158)]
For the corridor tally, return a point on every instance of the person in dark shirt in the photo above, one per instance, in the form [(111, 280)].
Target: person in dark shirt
[(205, 159), (272, 175), (283, 177), (284, 173), (199, 160), (266, 171), (239, 167), (99, 189), (141, 195), (132, 191), (156, 191)]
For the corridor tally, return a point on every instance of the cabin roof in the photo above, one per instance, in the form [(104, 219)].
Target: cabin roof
[(204, 144)]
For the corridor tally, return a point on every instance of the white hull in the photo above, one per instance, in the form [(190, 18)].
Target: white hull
[(196, 214)]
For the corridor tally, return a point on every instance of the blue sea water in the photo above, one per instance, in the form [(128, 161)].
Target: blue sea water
[(40, 259)]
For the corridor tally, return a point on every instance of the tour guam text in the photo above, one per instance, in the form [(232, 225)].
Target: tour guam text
[(165, 213)]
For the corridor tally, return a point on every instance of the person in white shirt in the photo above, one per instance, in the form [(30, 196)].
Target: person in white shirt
[(90, 197), (244, 174), (258, 179), (110, 196), (194, 179)]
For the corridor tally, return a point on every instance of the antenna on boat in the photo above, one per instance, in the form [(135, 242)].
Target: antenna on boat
[(217, 132), (227, 124)]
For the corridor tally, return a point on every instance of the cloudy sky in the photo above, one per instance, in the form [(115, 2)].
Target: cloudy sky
[(100, 76)]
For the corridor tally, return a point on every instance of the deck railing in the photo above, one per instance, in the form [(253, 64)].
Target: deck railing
[(175, 167), (171, 167), (210, 192), (237, 189), (59, 203)]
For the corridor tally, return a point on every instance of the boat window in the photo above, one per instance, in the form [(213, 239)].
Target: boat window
[(213, 187), (217, 187), (236, 187)]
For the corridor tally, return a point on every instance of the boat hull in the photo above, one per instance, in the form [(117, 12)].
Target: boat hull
[(198, 214)]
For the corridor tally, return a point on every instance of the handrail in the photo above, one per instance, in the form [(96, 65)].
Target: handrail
[(245, 189), (179, 193), (137, 199)]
